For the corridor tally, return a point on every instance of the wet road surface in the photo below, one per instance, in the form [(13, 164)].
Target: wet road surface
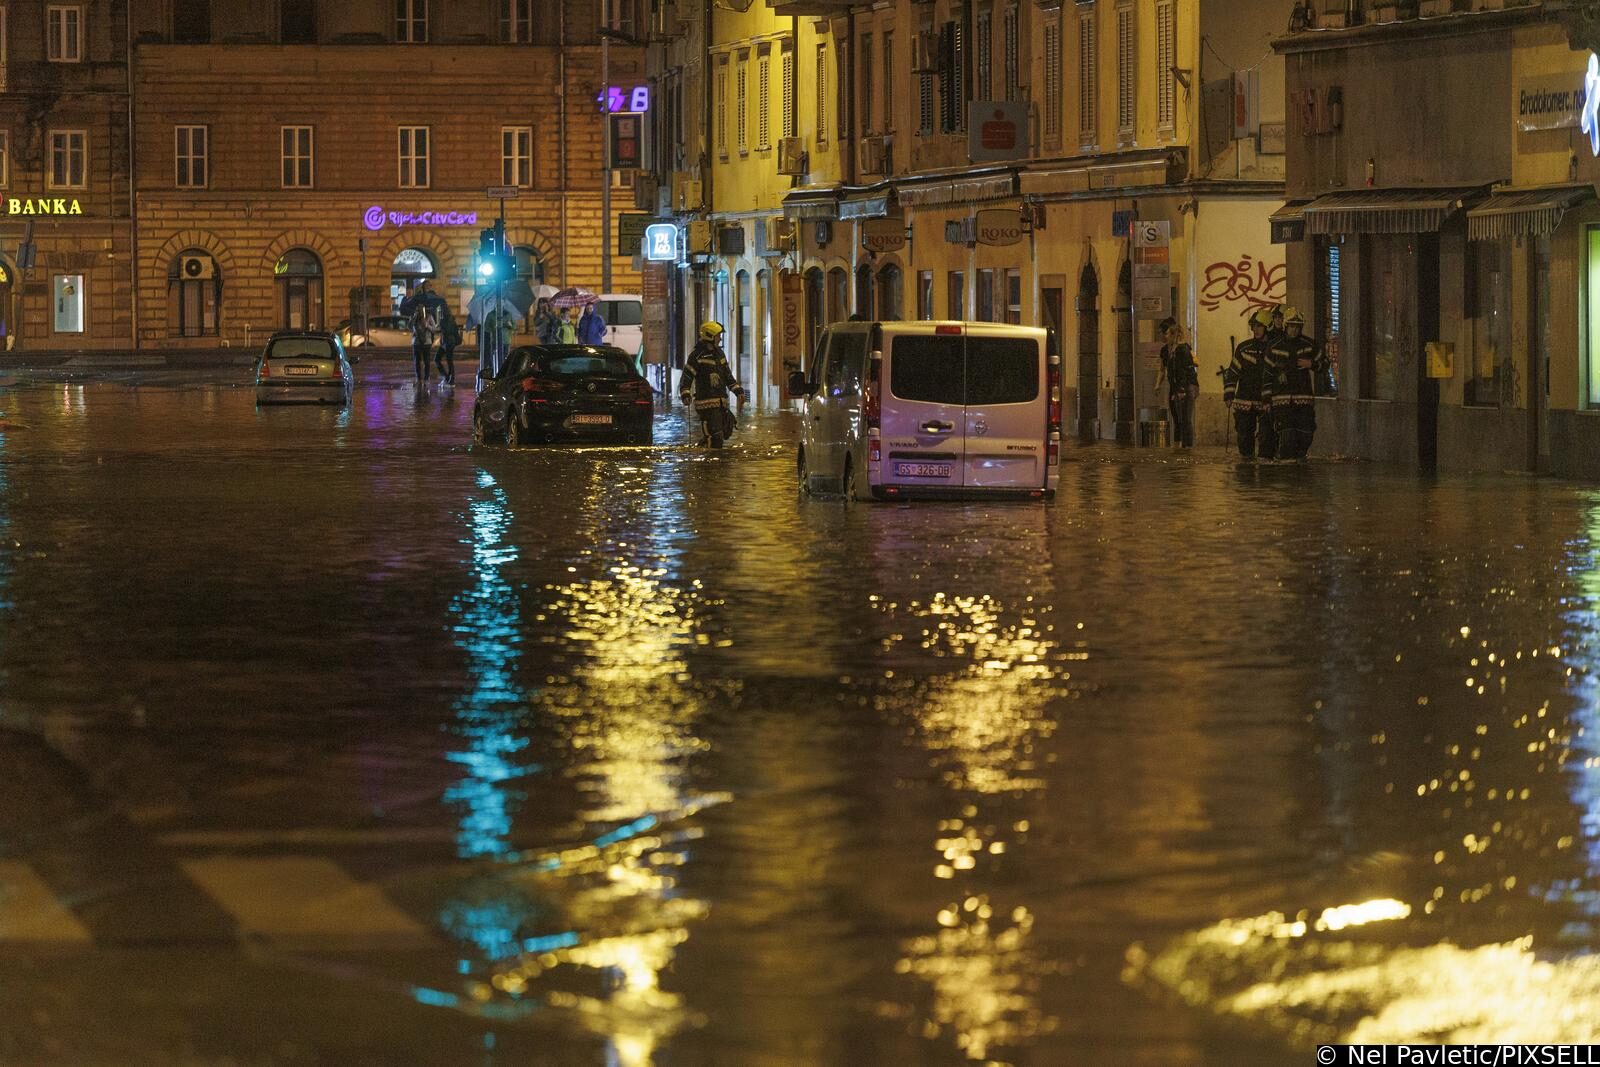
[(327, 739)]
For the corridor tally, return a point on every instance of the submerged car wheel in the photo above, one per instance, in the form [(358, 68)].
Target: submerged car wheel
[(480, 433), (516, 436)]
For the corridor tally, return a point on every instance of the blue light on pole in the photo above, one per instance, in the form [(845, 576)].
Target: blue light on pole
[(486, 269)]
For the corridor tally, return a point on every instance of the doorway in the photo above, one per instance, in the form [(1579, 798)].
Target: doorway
[(299, 273), (1088, 308), (1538, 352), (1427, 253)]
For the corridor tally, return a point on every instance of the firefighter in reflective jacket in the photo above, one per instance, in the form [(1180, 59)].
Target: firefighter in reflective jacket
[(1244, 389), (706, 381), (1294, 366)]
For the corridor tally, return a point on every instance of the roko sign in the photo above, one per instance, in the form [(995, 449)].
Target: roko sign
[(375, 218), (999, 226)]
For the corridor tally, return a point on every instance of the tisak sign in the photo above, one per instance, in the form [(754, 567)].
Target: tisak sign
[(883, 235), (999, 226)]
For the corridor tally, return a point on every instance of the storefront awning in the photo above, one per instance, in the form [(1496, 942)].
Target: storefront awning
[(1385, 210), (1289, 222), (1524, 212), (865, 207), (812, 204), (995, 187)]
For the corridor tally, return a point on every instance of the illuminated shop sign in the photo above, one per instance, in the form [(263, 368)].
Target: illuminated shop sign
[(376, 218), (46, 206), (618, 99)]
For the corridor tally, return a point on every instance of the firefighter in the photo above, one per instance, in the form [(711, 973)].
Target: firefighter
[(1244, 389), (706, 381), (1294, 366)]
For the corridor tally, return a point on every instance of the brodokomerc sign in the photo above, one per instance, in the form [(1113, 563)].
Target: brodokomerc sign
[(1548, 101)]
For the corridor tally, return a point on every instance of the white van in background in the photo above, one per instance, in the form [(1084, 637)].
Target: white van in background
[(894, 410), (624, 317)]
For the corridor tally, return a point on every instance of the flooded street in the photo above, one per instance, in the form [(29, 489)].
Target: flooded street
[(328, 739)]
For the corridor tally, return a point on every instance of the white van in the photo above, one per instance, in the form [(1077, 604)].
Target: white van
[(893, 410), (624, 317)]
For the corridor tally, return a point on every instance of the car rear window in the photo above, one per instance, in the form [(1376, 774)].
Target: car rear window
[(301, 348), (1002, 370), (927, 369), (621, 312), (608, 365)]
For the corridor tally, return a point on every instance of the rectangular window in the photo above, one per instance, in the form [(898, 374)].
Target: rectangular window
[(866, 58), (1052, 79), (64, 38), (297, 22), (764, 100), (722, 106), (1012, 69), (1329, 317), (69, 159), (1166, 61), (822, 94), (192, 157), (742, 104), (68, 291), (888, 82), (985, 294), (985, 58), (956, 295), (1013, 296), (5, 159), (516, 156), (618, 15), (786, 76), (411, 21), (297, 147), (1126, 57), (925, 295), (516, 21), (191, 22), (1088, 77), (925, 104), (413, 157), (952, 78), (842, 87), (1488, 283)]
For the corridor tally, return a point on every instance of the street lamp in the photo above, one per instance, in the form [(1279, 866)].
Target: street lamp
[(607, 35)]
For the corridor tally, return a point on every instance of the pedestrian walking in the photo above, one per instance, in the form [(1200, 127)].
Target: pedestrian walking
[(1182, 375), (1243, 389), (546, 323), (591, 327), (449, 338), (1295, 365), (417, 308)]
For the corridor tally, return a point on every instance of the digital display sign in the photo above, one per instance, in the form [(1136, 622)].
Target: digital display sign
[(624, 99)]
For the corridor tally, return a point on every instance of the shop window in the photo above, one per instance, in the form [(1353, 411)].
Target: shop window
[(925, 295), (1489, 358), (985, 295), (69, 299), (194, 292), (956, 295), (299, 275), (191, 22), (1013, 296), (297, 22)]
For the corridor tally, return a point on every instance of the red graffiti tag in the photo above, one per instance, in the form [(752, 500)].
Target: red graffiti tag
[(1249, 282)]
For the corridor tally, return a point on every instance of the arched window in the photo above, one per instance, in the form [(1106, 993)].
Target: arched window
[(194, 293), (410, 268), (299, 274), (742, 325), (838, 295), (816, 313), (889, 293), (864, 301)]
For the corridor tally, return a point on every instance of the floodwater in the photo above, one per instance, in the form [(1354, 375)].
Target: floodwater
[(327, 739)]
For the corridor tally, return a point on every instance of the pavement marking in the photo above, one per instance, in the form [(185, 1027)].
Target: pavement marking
[(306, 902), (30, 912)]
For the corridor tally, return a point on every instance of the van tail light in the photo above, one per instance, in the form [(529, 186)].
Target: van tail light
[(875, 451), (872, 401), (266, 368), (1055, 394), (1053, 450), (950, 328)]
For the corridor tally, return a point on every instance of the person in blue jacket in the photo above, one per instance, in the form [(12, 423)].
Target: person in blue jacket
[(591, 328)]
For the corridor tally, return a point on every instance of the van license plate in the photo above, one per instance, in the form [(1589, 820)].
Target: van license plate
[(591, 420), (300, 370), (922, 470)]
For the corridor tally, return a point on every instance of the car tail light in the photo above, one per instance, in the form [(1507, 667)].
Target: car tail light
[(539, 385), (639, 390), (875, 450), (266, 369)]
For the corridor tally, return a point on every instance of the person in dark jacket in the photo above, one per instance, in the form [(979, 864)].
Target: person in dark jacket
[(546, 323), (449, 338), (420, 308), (591, 327), (1294, 367), (1183, 382), (1244, 389), (706, 381)]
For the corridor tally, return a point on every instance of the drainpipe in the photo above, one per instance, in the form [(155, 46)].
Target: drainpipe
[(133, 187), (561, 68), (846, 145)]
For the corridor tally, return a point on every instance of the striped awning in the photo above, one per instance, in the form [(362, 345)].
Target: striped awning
[(1385, 210), (966, 191), (812, 204), (864, 207), (1524, 212)]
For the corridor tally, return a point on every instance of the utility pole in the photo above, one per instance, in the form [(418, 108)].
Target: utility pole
[(605, 148)]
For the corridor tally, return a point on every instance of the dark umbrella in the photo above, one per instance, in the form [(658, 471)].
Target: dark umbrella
[(573, 297)]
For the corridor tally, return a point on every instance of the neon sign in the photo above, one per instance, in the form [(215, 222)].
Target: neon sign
[(661, 242), (375, 218), (1590, 122), (619, 100)]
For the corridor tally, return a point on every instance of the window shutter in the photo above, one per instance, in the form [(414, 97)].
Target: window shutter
[(787, 78)]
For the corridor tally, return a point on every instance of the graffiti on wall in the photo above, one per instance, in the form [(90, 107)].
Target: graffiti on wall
[(1249, 282)]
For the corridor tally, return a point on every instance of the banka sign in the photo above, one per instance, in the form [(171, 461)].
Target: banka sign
[(43, 206), (376, 218)]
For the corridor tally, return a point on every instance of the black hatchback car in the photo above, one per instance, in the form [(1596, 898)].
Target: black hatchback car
[(564, 392)]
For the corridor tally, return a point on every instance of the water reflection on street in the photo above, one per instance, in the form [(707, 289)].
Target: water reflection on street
[(1197, 763)]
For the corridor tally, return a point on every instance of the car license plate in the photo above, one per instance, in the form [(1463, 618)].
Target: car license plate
[(291, 369), (922, 470), (591, 420)]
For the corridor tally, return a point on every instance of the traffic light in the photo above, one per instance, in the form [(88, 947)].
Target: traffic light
[(488, 255)]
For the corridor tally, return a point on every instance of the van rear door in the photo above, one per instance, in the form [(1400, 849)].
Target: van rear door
[(1006, 410), (923, 416)]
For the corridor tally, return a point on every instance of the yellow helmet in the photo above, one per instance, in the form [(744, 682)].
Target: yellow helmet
[(711, 331), (1293, 316), (1262, 318)]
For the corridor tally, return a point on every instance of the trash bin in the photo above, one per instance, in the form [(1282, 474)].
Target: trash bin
[(1154, 431)]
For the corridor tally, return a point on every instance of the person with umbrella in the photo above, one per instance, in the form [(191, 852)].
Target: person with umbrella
[(422, 308), (566, 300), (546, 323)]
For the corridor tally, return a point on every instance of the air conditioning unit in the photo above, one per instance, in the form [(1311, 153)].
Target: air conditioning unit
[(924, 53), (686, 192), (777, 236), (791, 155), (193, 267), (874, 155)]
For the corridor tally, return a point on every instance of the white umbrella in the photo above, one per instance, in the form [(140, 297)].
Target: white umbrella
[(483, 302)]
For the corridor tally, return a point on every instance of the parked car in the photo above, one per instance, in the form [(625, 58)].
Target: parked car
[(904, 409), (303, 367), (564, 392), (383, 331), (624, 317)]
